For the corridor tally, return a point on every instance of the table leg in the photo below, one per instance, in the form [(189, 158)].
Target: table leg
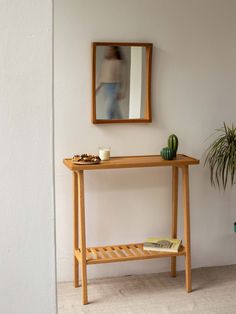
[(82, 236), (76, 237), (187, 228), (174, 214)]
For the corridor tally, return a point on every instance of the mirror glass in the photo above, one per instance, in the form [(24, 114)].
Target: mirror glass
[(121, 82)]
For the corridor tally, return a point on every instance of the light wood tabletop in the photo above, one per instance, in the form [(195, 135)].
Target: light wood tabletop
[(134, 162)]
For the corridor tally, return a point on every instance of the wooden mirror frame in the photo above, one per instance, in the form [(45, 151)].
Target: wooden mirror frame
[(148, 114)]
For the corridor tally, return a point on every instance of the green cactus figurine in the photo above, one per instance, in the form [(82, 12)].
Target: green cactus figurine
[(173, 144), (167, 153)]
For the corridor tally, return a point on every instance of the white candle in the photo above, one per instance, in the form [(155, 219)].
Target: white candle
[(104, 153)]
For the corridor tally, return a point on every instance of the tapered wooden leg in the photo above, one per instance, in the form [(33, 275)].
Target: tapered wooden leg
[(174, 214), (82, 234), (187, 228), (76, 236)]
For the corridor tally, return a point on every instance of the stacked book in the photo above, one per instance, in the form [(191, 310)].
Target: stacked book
[(162, 245)]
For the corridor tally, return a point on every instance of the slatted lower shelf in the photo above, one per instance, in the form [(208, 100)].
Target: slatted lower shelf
[(119, 253)]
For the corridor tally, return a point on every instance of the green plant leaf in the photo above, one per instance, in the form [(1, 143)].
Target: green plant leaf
[(221, 157)]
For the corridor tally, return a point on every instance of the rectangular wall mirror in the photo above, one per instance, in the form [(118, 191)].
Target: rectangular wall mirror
[(121, 82)]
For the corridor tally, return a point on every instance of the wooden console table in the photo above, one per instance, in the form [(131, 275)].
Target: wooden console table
[(84, 256)]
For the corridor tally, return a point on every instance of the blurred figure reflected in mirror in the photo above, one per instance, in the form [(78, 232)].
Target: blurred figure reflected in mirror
[(111, 79)]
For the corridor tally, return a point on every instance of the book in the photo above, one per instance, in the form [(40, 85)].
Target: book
[(162, 245)]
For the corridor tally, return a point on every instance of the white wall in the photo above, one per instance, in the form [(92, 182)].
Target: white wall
[(27, 267), (193, 92)]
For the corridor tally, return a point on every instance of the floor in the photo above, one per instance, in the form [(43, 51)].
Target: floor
[(214, 291)]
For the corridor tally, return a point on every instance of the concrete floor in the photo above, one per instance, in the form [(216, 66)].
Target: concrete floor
[(214, 291)]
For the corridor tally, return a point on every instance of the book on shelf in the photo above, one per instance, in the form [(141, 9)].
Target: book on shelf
[(162, 245)]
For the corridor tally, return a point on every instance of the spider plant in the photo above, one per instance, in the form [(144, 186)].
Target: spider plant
[(221, 157)]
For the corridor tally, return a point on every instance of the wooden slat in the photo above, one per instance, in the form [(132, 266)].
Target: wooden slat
[(100, 253), (135, 250), (94, 253), (127, 251), (119, 252), (140, 249), (88, 254), (104, 253), (112, 252), (140, 246)]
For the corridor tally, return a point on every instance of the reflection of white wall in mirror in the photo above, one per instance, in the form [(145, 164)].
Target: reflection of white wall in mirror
[(144, 90), (135, 83)]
